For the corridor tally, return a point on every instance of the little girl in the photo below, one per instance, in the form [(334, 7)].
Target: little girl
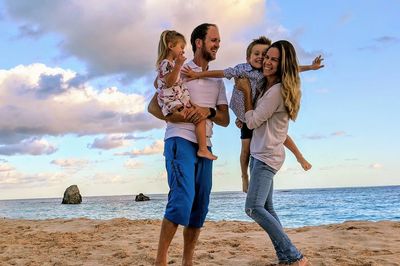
[(172, 94)]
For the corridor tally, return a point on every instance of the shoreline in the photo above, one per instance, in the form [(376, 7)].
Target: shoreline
[(122, 241)]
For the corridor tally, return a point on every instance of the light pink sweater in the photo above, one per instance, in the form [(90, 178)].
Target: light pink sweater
[(270, 122)]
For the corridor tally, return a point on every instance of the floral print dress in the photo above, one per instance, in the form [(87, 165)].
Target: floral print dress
[(170, 98)]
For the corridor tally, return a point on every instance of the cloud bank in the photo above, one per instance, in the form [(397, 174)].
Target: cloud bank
[(121, 36), (37, 100)]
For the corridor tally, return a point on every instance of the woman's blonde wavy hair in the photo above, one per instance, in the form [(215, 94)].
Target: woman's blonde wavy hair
[(167, 36), (288, 73)]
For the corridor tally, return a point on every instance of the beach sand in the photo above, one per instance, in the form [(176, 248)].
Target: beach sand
[(129, 242)]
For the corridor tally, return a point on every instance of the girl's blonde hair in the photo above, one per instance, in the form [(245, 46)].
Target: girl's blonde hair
[(167, 36), (288, 73)]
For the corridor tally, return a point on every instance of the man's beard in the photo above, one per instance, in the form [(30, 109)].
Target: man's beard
[(206, 55)]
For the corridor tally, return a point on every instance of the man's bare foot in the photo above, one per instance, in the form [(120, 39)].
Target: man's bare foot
[(206, 154), (245, 183)]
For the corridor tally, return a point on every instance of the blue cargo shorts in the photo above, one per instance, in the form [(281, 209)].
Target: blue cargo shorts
[(189, 180)]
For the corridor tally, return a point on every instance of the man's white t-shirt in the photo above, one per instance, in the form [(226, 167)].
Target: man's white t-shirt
[(205, 92)]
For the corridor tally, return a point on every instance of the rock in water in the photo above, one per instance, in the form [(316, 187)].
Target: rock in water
[(72, 195), (141, 197)]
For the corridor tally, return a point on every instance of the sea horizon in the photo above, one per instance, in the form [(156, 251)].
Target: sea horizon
[(212, 192)]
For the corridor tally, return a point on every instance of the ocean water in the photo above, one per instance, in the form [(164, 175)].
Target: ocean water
[(296, 208)]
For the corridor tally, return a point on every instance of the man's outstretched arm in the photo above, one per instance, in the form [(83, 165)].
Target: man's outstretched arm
[(154, 109)]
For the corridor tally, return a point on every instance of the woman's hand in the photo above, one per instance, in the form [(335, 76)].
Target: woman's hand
[(238, 123), (243, 85)]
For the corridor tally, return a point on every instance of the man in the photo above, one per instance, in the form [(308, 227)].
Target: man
[(189, 176)]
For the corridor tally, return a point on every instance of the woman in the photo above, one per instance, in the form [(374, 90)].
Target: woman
[(278, 102)]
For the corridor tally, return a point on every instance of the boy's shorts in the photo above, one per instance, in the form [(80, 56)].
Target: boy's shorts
[(245, 132), (189, 180)]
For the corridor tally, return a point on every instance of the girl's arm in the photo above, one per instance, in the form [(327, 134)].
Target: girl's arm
[(171, 77), (316, 64)]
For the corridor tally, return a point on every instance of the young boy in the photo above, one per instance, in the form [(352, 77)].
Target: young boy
[(252, 70)]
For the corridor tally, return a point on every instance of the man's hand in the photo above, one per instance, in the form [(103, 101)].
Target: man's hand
[(197, 113), (178, 116)]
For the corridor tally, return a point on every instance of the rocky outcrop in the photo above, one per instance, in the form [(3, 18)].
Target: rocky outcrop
[(141, 197), (72, 195)]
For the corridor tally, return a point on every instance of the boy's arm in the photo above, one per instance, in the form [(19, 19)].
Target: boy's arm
[(289, 143), (316, 64), (191, 75)]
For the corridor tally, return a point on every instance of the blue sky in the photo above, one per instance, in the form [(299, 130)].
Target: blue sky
[(76, 77)]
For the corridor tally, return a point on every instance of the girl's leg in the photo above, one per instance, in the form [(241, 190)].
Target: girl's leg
[(244, 163), (203, 151), (260, 188)]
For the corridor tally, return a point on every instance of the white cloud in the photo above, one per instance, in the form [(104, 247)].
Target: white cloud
[(111, 141), (16, 179), (71, 163), (36, 100), (5, 167), (133, 164), (339, 134), (314, 137), (376, 166), (31, 146), (155, 148), (109, 178)]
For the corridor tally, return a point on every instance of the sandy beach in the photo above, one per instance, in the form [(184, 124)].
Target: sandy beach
[(129, 242)]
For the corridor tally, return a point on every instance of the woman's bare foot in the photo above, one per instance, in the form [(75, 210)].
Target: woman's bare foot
[(206, 154), (245, 183), (302, 262)]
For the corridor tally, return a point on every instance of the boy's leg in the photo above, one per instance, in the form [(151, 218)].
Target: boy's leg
[(245, 136), (244, 163), (200, 130)]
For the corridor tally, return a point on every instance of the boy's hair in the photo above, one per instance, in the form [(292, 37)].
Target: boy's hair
[(260, 40), (199, 32), (167, 36)]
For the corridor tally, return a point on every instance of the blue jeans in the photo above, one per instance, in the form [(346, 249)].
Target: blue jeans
[(260, 208)]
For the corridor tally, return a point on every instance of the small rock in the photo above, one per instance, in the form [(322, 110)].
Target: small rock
[(72, 195), (141, 197)]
